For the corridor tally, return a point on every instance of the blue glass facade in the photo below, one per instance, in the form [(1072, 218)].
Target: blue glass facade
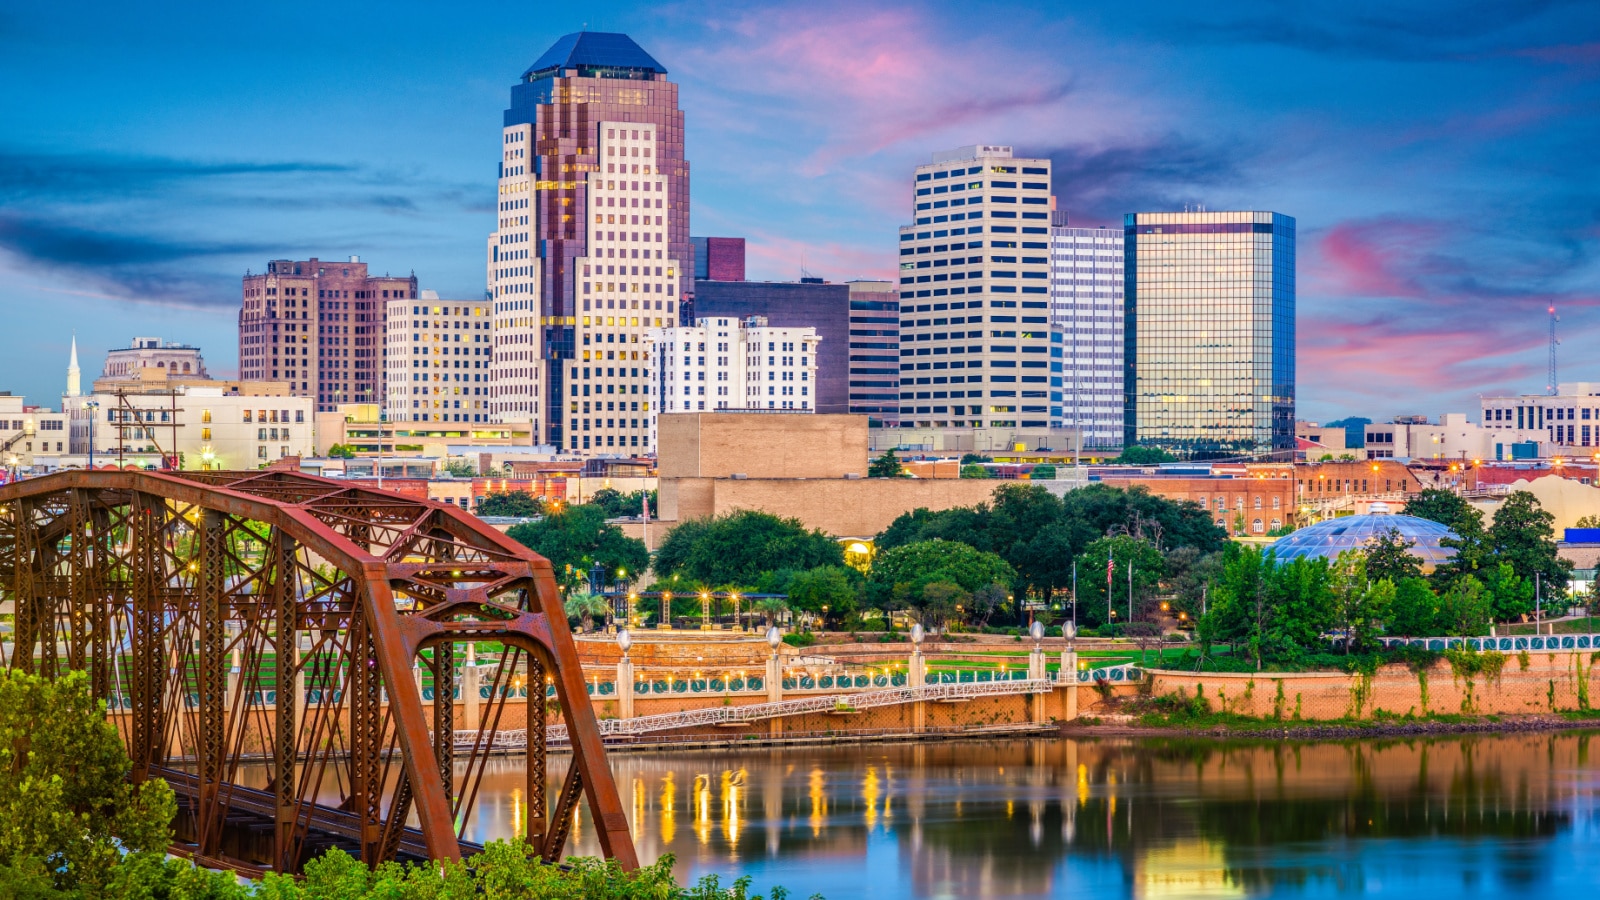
[(1209, 333)]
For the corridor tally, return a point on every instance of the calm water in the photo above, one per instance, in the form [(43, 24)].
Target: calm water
[(1504, 816)]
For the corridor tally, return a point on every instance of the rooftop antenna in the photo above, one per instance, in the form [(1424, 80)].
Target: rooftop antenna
[(1551, 387)]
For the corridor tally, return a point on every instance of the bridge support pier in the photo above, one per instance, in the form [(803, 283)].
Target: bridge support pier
[(1037, 672), (916, 677), (625, 688), (1069, 683), (774, 691)]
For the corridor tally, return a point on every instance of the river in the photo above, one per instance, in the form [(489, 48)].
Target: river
[(1140, 817)]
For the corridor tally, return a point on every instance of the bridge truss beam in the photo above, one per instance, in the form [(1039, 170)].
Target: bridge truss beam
[(258, 637)]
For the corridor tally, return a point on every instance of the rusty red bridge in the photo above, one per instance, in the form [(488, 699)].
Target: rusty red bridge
[(257, 635)]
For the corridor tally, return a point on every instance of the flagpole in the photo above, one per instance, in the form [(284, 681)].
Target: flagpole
[(1074, 595)]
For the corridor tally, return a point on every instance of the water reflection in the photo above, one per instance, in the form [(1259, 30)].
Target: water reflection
[(1136, 818)]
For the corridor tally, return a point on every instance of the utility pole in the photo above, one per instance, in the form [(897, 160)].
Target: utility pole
[(1551, 387)]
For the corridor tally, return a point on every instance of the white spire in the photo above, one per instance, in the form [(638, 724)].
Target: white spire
[(74, 378)]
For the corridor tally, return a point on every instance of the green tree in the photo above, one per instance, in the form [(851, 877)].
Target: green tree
[(1237, 606), (831, 592), (512, 504), (1042, 472), (970, 458), (1144, 456), (1523, 536), (1127, 553), (1452, 511), (67, 812), (1301, 608), (573, 538), (1414, 611), (738, 548), (1464, 609), (898, 575), (340, 451), (584, 606), (938, 602), (974, 471), (1587, 522), (1388, 555), (618, 505), (462, 468), (1510, 595), (886, 466), (1360, 604)]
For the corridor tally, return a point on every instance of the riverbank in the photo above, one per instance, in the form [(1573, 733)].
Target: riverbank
[(1232, 726)]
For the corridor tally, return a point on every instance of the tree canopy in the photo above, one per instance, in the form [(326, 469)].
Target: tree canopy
[(573, 538), (886, 466), (512, 504), (737, 548), (618, 505), (67, 811), (1144, 456)]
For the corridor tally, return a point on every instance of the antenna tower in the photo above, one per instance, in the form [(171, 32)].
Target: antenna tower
[(1551, 387)]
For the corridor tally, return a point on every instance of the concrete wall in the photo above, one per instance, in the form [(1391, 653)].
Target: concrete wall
[(848, 507), (1552, 681), (760, 445)]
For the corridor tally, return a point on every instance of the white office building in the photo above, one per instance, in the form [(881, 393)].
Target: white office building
[(975, 342), (1567, 420), (1086, 308), (730, 363), (437, 359)]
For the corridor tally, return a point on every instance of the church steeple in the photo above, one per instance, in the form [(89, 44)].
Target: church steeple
[(74, 377)]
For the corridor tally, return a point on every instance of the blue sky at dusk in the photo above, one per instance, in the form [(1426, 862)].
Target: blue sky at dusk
[(1440, 158)]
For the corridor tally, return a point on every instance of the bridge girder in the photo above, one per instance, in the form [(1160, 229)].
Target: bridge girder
[(257, 637)]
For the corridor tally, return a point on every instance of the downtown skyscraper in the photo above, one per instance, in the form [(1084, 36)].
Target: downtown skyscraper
[(1086, 288), (592, 243), (1210, 333), (975, 344)]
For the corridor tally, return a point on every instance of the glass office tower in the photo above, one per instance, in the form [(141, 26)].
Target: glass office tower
[(1209, 331)]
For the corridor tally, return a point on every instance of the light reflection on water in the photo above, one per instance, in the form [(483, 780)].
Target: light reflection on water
[(1136, 818)]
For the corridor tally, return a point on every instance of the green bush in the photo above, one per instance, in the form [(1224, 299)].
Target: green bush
[(800, 639)]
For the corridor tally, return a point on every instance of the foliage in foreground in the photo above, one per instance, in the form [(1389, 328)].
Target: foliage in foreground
[(72, 827)]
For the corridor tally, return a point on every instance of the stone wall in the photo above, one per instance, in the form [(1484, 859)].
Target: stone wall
[(1550, 681), (760, 445)]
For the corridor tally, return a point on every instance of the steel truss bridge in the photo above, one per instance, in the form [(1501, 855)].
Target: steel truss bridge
[(198, 595)]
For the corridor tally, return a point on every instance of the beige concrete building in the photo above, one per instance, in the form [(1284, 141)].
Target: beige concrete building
[(437, 359), (810, 467), (362, 428), (1452, 437), (1314, 441), (1566, 421), (167, 357), (194, 426), (30, 435)]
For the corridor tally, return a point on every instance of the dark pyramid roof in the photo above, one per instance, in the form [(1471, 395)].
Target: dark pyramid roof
[(593, 48)]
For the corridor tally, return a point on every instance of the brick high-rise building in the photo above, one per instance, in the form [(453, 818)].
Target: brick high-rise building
[(592, 243), (318, 325)]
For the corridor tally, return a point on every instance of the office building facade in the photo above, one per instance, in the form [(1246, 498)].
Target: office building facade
[(1568, 418), (811, 303), (437, 359), (875, 351), (975, 347), (729, 363), (593, 236), (1209, 332), (318, 325), (1086, 311), (718, 258), (175, 359)]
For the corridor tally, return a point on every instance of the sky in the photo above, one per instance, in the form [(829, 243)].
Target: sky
[(1439, 157)]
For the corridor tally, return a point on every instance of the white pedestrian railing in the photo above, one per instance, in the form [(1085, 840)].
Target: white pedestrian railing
[(514, 739)]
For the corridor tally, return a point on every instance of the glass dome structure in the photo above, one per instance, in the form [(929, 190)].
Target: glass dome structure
[(1331, 537)]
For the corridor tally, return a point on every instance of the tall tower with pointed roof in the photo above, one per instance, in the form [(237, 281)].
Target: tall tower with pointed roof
[(591, 247), (74, 376)]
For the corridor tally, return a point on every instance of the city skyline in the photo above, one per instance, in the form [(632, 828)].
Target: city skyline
[(1436, 164)]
